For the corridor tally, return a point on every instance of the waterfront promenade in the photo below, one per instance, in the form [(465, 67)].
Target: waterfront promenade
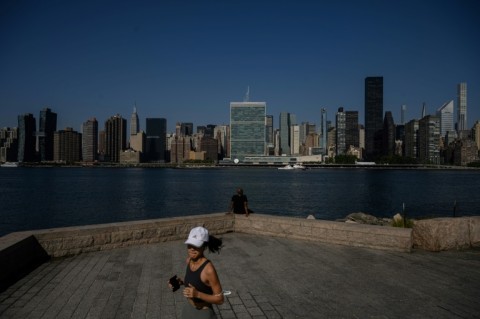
[(269, 277)]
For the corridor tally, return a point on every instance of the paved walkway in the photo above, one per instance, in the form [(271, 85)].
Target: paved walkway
[(269, 278)]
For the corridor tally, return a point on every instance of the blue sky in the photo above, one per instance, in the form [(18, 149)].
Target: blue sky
[(187, 60)]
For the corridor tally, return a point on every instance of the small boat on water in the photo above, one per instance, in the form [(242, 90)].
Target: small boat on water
[(9, 164), (294, 166)]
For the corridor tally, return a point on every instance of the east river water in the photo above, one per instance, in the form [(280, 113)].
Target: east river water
[(37, 198)]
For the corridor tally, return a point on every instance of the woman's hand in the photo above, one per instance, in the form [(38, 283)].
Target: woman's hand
[(179, 281), (190, 292)]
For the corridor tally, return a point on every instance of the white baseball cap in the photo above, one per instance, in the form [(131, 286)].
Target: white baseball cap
[(197, 237)]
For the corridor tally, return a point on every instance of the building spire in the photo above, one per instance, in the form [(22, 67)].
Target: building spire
[(247, 95)]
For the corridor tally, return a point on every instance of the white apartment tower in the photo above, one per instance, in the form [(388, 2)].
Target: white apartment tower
[(445, 114)]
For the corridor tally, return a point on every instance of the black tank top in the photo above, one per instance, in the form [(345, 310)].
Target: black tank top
[(193, 277)]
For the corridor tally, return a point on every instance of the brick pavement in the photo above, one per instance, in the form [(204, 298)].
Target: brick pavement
[(269, 278)]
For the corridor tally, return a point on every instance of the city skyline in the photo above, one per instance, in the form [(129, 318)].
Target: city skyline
[(187, 62)]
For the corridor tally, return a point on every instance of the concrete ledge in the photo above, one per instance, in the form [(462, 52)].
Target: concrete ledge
[(60, 242), (377, 237), (447, 233)]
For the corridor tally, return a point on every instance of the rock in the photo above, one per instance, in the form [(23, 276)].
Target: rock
[(442, 234), (310, 217), (397, 218), (362, 218)]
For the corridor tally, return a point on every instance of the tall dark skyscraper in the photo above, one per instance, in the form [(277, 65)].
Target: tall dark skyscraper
[(352, 133), (90, 140), (156, 139), (388, 133), (67, 146), (373, 116), (115, 138), (285, 122), (186, 129), (26, 138), (48, 125)]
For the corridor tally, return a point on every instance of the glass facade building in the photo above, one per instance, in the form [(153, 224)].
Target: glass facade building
[(48, 125), (156, 145), (373, 116), (286, 121), (26, 138), (247, 129)]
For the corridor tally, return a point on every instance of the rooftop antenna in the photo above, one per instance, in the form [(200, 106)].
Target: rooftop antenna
[(135, 107), (247, 95)]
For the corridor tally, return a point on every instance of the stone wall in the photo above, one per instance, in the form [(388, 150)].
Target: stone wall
[(447, 233), (60, 242), (377, 237)]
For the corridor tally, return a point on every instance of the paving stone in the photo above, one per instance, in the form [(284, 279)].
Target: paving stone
[(269, 278)]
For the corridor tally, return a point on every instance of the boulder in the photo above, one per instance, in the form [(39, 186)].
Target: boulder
[(397, 218), (475, 231), (362, 218), (442, 234)]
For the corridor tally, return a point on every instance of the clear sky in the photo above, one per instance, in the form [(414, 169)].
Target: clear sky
[(187, 60)]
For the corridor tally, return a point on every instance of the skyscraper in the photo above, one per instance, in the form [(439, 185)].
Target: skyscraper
[(26, 138), (411, 139), (156, 139), (9, 144), (48, 125), (115, 138), (90, 140), (402, 114), (373, 116), (352, 133), (323, 131), (186, 129), (247, 129), (67, 146), (429, 140), (295, 139), (134, 122), (269, 129), (340, 124), (269, 135), (462, 107), (220, 133), (476, 133), (388, 135), (285, 123), (445, 114)]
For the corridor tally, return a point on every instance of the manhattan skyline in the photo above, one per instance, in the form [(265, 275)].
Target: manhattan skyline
[(186, 62)]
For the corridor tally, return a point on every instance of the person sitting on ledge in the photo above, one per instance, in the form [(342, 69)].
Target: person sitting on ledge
[(239, 203)]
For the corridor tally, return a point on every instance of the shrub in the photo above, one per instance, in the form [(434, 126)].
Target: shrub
[(399, 223)]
